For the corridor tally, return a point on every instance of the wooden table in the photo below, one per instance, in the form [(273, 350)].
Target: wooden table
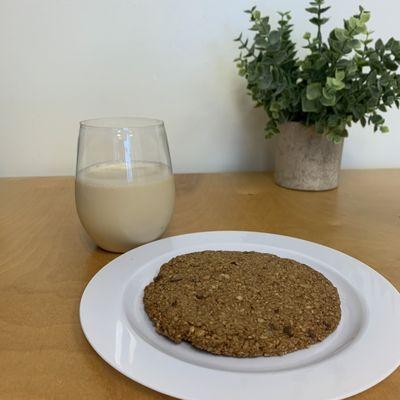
[(46, 260)]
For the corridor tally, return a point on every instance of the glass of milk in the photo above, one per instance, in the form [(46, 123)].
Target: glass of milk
[(124, 188)]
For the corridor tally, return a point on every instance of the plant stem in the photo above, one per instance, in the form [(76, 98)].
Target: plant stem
[(319, 35)]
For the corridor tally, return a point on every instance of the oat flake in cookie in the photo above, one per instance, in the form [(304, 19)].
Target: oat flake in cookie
[(242, 304)]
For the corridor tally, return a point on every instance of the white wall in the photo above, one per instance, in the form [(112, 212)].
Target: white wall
[(67, 60)]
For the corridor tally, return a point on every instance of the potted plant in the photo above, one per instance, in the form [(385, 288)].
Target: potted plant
[(312, 101)]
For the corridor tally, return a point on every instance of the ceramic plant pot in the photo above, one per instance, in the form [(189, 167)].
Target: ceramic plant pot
[(306, 160)]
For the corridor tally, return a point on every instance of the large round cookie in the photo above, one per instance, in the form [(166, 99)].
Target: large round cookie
[(242, 304)]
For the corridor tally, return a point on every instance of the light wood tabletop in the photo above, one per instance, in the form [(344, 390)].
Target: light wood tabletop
[(46, 260)]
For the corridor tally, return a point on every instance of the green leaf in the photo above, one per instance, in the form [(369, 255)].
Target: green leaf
[(313, 90), (315, 21), (320, 63), (327, 95), (324, 9), (377, 119), (362, 29), (353, 22), (320, 126), (312, 10), (327, 102), (260, 42), (280, 57), (333, 120), (244, 44), (365, 16), (355, 43), (274, 106), (336, 138), (351, 69), (341, 34), (335, 84), (384, 129), (379, 45), (265, 81), (371, 80), (309, 105), (274, 37), (390, 64), (339, 75)]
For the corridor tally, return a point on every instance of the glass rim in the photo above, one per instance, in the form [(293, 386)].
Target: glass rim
[(121, 122)]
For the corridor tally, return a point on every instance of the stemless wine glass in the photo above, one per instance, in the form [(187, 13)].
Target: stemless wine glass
[(124, 187)]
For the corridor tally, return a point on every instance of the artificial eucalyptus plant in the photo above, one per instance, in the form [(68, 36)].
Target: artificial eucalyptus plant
[(344, 79)]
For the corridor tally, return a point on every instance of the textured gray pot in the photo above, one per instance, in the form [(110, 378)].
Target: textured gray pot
[(305, 160)]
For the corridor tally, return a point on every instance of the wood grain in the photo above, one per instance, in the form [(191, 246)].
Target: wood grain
[(47, 259)]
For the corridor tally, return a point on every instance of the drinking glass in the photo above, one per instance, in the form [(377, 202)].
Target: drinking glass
[(124, 187)]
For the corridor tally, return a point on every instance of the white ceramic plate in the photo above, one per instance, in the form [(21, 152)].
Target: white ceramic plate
[(360, 353)]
